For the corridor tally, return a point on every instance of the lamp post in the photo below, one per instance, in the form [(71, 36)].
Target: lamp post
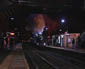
[(64, 23)]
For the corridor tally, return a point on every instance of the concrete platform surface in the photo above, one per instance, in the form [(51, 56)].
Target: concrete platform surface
[(68, 49), (15, 60)]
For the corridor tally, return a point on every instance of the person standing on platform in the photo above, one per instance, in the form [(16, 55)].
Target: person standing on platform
[(73, 43), (78, 42), (6, 40)]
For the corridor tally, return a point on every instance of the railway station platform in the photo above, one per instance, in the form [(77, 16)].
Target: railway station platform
[(15, 60), (68, 49)]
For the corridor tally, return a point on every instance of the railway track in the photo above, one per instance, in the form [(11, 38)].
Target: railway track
[(40, 59)]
